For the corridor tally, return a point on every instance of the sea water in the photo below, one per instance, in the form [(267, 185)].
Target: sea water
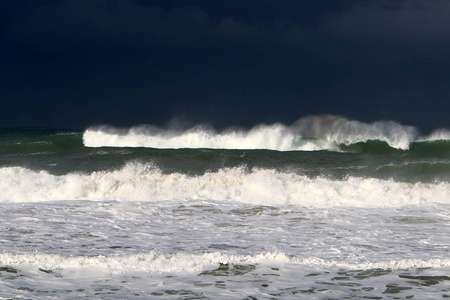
[(326, 208)]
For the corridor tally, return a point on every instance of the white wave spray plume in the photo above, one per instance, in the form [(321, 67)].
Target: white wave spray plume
[(309, 133), (438, 135), (343, 131), (275, 137)]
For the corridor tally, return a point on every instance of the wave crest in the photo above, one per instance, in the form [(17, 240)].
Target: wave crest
[(275, 137), (343, 131), (438, 135), (144, 182), (321, 132)]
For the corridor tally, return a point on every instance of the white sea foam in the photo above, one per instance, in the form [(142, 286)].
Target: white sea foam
[(143, 182), (154, 262), (307, 134), (147, 262)]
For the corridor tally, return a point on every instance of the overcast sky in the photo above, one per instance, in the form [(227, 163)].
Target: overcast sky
[(76, 63)]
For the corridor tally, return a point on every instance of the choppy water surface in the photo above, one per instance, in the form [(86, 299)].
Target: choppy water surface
[(218, 249)]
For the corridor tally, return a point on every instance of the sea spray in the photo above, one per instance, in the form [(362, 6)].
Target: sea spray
[(438, 135), (340, 130), (276, 137), (306, 134)]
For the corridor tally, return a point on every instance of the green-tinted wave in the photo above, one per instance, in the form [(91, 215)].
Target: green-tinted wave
[(372, 147), (435, 149), (36, 136), (419, 149), (62, 152)]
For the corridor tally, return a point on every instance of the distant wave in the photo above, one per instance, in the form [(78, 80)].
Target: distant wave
[(340, 130), (275, 137), (144, 182), (320, 132)]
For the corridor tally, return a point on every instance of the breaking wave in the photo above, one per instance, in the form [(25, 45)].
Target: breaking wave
[(145, 182), (275, 137), (322, 132), (154, 262)]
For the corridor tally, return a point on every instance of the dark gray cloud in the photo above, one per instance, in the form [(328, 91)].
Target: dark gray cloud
[(387, 28), (398, 28), (122, 21), (131, 61)]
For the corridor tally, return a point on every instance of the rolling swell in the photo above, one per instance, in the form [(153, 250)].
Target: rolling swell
[(342, 148), (424, 162), (323, 145), (36, 139), (404, 166)]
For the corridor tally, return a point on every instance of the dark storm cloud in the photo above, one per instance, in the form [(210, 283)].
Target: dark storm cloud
[(230, 62), (396, 27), (124, 21), (395, 22)]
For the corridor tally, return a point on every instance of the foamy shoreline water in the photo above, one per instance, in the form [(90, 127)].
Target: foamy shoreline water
[(116, 249)]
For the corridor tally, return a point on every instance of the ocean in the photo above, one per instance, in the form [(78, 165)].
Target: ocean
[(325, 208)]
